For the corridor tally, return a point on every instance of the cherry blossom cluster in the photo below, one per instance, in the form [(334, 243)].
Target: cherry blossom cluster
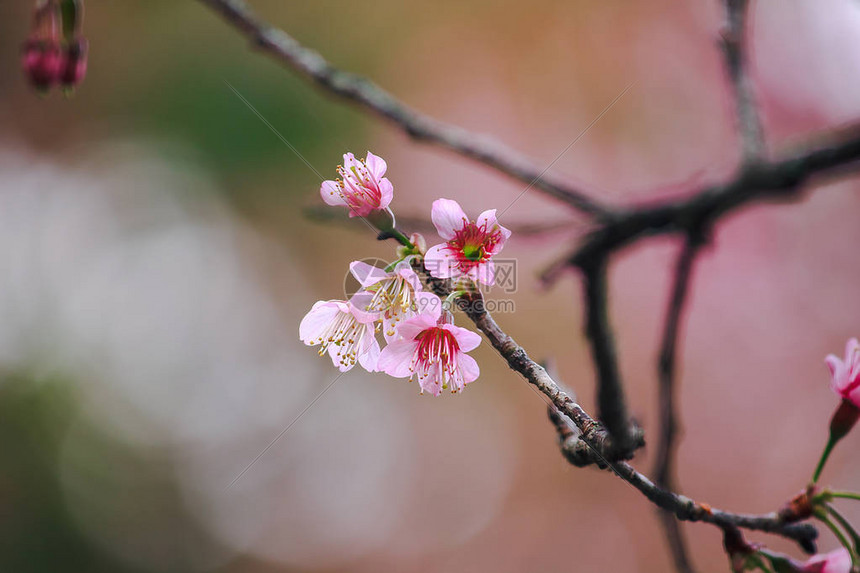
[(421, 340), (55, 52)]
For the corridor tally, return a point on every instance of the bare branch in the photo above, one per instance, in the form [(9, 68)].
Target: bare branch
[(585, 441), (677, 541), (574, 447), (735, 52), (596, 438), (663, 464), (611, 403), (778, 181), (687, 509), (666, 445), (371, 97)]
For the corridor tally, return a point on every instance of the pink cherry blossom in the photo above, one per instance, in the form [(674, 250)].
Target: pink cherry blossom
[(342, 330), (470, 245), (434, 350), (838, 561), (361, 185), (392, 296), (845, 375)]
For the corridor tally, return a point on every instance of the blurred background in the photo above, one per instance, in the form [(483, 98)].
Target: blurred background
[(156, 259)]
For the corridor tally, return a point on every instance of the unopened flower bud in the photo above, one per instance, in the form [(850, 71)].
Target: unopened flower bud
[(74, 64), (419, 241), (844, 418), (41, 61)]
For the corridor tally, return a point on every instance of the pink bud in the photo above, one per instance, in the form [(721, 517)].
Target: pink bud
[(843, 420), (41, 61), (74, 63)]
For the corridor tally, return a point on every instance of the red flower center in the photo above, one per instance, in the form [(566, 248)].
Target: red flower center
[(473, 243), (436, 346)]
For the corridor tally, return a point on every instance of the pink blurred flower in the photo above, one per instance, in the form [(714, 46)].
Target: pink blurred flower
[(41, 56), (392, 296), (361, 185), (42, 62), (433, 350), (74, 63), (469, 245), (845, 375), (342, 330), (838, 561)]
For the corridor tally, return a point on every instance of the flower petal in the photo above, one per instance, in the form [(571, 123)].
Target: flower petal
[(484, 272), (330, 193), (409, 329), (466, 339), (343, 366), (448, 217), (316, 321), (349, 161), (851, 347), (488, 219), (366, 274), (396, 358), (428, 303), (837, 561), (468, 368), (440, 262), (370, 357), (431, 383), (404, 269), (833, 363), (376, 165), (494, 228), (386, 192)]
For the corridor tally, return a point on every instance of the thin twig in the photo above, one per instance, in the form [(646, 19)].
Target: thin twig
[(370, 96), (689, 510), (414, 224), (664, 475), (735, 42)]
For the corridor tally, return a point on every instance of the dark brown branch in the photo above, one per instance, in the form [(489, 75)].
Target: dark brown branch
[(371, 97), (611, 403), (577, 451), (664, 474), (677, 542), (687, 509), (757, 181), (599, 442), (777, 181), (734, 43)]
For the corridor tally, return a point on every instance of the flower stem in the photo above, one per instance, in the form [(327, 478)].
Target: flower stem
[(844, 494), (846, 525), (393, 233), (822, 516), (824, 455)]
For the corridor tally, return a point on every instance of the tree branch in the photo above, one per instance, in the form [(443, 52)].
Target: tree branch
[(666, 445), (687, 509), (585, 441), (577, 451), (611, 403), (734, 43), (779, 181), (285, 49), (597, 440)]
